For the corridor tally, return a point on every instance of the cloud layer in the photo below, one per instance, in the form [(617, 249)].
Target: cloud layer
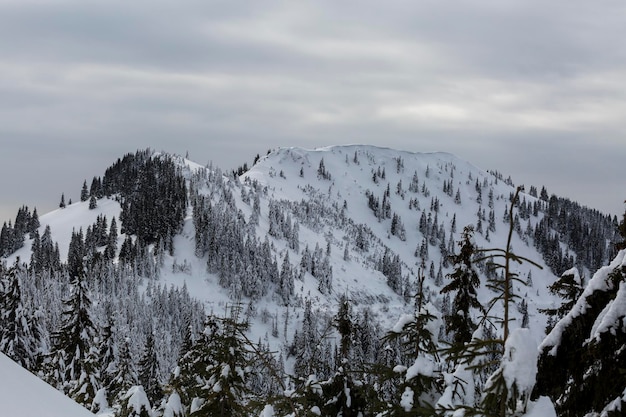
[(534, 90)]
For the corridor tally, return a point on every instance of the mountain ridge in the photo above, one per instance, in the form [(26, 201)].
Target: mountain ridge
[(300, 230)]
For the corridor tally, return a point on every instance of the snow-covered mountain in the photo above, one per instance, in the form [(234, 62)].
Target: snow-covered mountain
[(446, 191), (296, 234)]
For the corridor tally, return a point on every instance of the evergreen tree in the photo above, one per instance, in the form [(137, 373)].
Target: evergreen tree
[(343, 395), (76, 255), (569, 288), (34, 223), (583, 361), (414, 371), (93, 202), (148, 371), (622, 232), (465, 281), (73, 361), (506, 392), (500, 398), (84, 193), (106, 358), (20, 331), (125, 375), (6, 239), (220, 361), (111, 243), (286, 281)]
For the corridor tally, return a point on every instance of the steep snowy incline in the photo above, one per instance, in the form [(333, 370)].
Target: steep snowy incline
[(23, 394), (447, 191)]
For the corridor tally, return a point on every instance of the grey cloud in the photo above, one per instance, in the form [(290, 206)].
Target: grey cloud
[(497, 83)]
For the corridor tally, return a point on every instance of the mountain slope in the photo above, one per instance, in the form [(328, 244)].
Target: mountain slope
[(23, 394), (290, 239), (352, 181)]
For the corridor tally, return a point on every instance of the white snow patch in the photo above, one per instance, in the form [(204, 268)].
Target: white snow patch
[(403, 321), (174, 406), (543, 407), (519, 363), (422, 366), (613, 314), (138, 400), (268, 411), (407, 401), (23, 394)]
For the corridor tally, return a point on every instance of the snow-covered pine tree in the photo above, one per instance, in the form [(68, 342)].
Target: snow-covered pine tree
[(568, 287), (507, 391), (149, 373), (583, 360), (84, 193), (415, 371), (106, 360), (20, 332), (286, 280), (216, 369), (93, 202), (73, 364), (125, 373), (343, 394), (464, 284)]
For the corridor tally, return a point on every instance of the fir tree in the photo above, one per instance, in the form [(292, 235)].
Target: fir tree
[(84, 193), (106, 359), (501, 395), (582, 360), (220, 361), (568, 287), (622, 232), (111, 243), (343, 395), (465, 281), (93, 202), (148, 371), (20, 331), (74, 358), (416, 380), (125, 372)]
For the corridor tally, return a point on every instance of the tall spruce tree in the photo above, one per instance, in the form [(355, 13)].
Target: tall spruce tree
[(501, 397), (505, 392), (568, 287), (216, 369), (464, 282), (343, 394), (413, 373), (582, 365), (20, 332), (148, 371), (125, 375), (84, 192), (73, 360), (622, 232)]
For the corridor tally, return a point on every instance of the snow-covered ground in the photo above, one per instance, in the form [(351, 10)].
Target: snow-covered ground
[(22, 394)]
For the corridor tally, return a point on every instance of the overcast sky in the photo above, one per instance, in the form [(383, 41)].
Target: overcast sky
[(533, 89)]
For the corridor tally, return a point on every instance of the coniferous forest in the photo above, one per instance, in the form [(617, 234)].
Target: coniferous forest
[(349, 281)]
